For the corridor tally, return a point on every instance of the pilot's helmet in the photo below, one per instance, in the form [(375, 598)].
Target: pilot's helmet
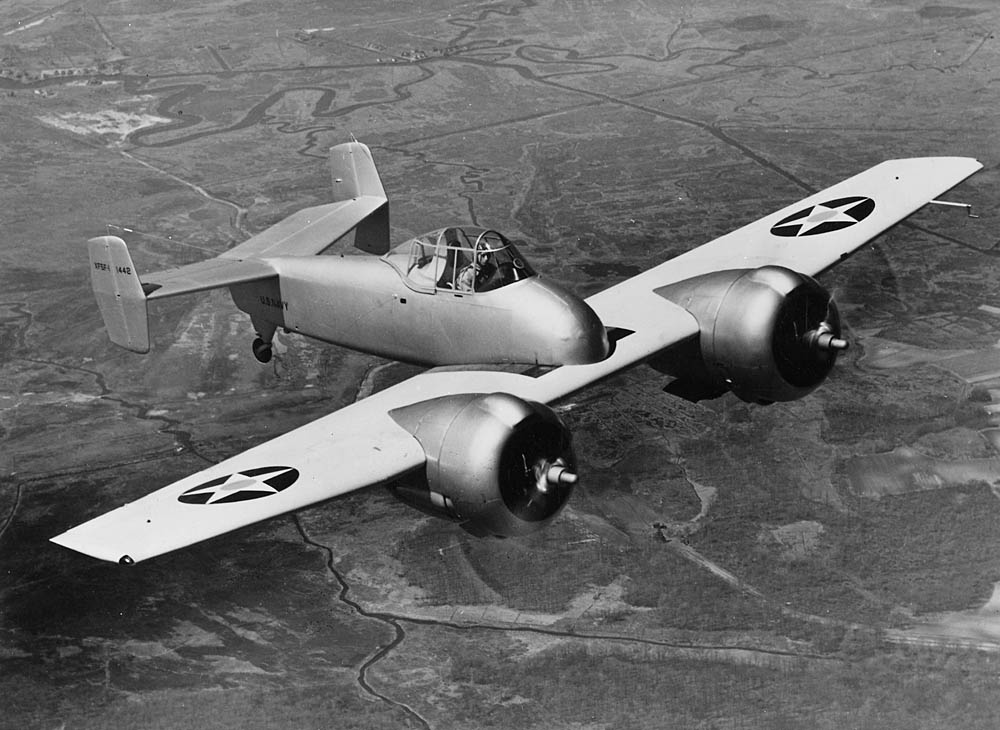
[(483, 252)]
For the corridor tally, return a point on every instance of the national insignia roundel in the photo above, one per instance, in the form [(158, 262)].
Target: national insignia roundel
[(242, 486), (824, 217)]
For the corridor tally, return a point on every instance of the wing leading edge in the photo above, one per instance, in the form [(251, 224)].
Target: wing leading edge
[(360, 445)]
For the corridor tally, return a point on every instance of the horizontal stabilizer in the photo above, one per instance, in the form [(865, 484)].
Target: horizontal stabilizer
[(309, 231), (119, 293), (360, 205), (204, 275), (123, 297)]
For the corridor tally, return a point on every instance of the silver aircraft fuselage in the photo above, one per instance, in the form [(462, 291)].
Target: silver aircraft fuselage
[(382, 306)]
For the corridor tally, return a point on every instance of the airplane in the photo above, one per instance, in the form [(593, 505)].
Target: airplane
[(474, 439)]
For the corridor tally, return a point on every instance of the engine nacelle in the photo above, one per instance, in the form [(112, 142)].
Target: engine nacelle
[(768, 334), (497, 464)]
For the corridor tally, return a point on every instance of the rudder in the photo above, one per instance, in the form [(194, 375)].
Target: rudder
[(119, 293)]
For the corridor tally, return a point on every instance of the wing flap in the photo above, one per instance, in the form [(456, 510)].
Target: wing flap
[(353, 448)]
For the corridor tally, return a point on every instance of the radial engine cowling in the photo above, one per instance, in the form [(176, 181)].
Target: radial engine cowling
[(497, 464), (768, 334)]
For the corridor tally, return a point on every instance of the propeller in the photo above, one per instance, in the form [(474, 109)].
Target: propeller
[(553, 474)]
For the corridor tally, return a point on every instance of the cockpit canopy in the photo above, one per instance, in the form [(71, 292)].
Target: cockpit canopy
[(468, 259)]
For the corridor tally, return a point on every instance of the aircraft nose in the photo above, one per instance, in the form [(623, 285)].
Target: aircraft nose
[(574, 331)]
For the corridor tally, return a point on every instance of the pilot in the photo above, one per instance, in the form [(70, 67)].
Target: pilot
[(472, 276)]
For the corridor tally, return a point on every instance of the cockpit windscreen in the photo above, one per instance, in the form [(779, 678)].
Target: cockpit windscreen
[(467, 259)]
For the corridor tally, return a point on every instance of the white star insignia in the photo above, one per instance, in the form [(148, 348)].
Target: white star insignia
[(821, 214), (833, 215), (235, 483)]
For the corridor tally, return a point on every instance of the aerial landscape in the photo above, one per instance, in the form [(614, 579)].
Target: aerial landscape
[(828, 562)]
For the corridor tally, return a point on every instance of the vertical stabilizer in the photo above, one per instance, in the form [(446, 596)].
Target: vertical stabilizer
[(372, 234), (354, 173), (355, 176), (119, 293)]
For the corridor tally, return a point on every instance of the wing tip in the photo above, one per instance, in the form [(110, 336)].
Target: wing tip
[(67, 540), (971, 163)]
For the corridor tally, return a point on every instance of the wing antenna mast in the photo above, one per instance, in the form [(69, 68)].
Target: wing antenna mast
[(967, 206)]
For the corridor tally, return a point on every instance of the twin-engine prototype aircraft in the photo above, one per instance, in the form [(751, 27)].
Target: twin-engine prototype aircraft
[(481, 446)]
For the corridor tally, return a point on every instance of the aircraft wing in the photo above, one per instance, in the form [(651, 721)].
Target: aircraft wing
[(352, 448), (362, 445), (814, 234)]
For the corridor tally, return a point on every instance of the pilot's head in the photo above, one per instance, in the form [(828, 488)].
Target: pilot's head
[(482, 252)]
